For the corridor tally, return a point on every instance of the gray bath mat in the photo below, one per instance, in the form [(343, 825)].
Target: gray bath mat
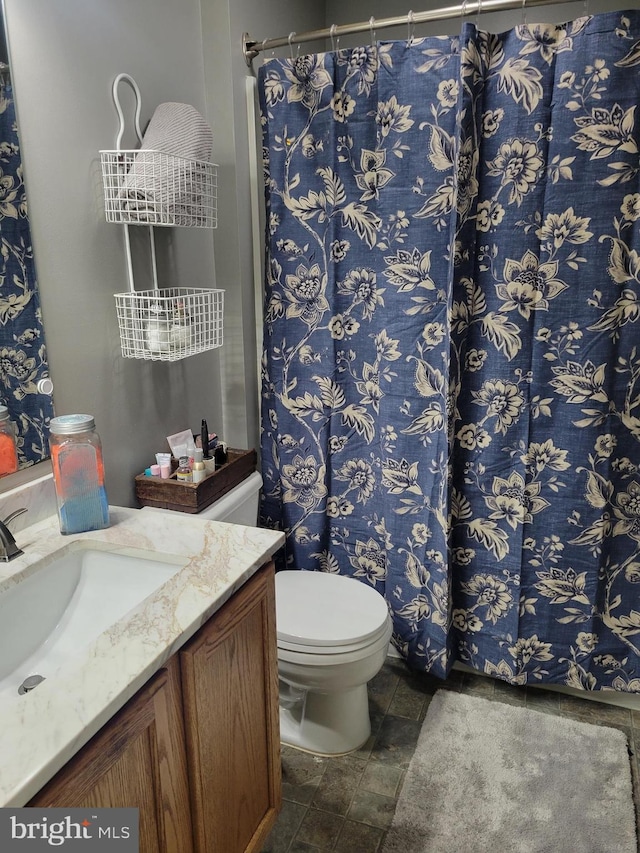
[(492, 777)]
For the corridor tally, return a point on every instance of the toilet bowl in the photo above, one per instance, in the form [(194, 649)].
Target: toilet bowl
[(333, 637)]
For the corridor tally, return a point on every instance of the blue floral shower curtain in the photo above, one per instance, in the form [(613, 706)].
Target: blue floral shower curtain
[(451, 386), (23, 355)]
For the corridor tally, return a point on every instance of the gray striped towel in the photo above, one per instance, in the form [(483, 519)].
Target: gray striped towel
[(167, 177)]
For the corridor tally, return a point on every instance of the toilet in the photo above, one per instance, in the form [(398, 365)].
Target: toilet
[(333, 637)]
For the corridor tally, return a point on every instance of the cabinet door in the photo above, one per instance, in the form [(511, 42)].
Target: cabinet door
[(137, 760), (230, 695)]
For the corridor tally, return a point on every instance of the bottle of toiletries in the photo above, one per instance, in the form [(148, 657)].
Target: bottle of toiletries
[(157, 329), (180, 328), (198, 470), (8, 449), (183, 472), (78, 474)]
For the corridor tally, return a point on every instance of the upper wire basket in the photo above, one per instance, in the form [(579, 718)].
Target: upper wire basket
[(145, 186)]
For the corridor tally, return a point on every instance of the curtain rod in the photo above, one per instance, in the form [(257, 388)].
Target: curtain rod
[(251, 48)]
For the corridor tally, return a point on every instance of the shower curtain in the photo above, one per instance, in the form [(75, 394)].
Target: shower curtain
[(23, 354), (451, 370)]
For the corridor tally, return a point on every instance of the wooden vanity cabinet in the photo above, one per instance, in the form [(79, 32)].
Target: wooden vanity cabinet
[(197, 749)]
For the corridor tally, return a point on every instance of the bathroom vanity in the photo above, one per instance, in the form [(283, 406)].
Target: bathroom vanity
[(174, 709)]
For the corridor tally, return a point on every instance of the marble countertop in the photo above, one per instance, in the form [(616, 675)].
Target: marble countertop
[(41, 730)]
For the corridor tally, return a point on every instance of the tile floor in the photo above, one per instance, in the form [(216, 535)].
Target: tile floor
[(346, 804)]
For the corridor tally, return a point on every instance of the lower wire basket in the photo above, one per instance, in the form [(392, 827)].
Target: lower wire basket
[(169, 324)]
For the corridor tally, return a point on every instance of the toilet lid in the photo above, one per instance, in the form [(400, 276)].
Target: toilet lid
[(321, 609)]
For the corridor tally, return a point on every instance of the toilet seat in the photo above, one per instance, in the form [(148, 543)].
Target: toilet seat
[(329, 656), (327, 614)]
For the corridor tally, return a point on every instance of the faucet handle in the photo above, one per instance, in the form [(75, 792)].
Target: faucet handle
[(8, 547)]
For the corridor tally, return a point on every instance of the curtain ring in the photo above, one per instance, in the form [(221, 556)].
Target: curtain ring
[(478, 14), (410, 28), (290, 39), (372, 23), (463, 9), (332, 33), (586, 7), (524, 13)]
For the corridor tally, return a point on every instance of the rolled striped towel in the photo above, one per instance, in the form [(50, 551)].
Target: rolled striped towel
[(167, 177)]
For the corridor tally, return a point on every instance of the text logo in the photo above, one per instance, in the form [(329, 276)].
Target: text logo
[(33, 830)]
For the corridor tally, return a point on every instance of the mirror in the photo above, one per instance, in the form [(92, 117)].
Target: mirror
[(25, 386)]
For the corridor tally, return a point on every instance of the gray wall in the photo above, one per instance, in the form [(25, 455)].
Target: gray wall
[(65, 55)]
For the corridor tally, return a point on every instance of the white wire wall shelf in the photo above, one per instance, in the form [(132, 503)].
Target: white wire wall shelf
[(147, 187), (169, 324)]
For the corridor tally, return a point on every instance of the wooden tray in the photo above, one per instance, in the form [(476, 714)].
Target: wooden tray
[(194, 497)]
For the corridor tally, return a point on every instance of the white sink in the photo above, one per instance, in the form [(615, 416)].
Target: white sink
[(68, 600)]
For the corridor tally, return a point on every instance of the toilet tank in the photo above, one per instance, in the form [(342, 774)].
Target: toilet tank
[(237, 506)]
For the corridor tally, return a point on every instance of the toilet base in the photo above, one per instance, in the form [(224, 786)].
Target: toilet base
[(326, 723)]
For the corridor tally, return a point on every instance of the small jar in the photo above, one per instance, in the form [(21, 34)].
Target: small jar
[(183, 472), (8, 448), (78, 474), (157, 330)]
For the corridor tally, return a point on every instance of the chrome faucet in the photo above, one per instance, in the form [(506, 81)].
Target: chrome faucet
[(8, 547)]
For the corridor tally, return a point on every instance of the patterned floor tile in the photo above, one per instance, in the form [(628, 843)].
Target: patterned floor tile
[(339, 781), (477, 685), (372, 809), (359, 838), (589, 711), (381, 778), (319, 829), (301, 774), (396, 741), (409, 699)]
